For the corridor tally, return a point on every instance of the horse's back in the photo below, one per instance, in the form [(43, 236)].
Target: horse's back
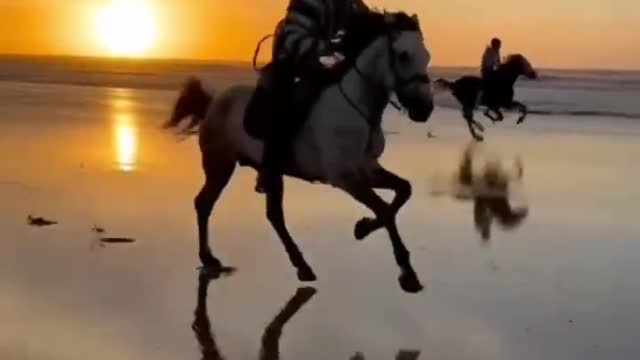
[(223, 124)]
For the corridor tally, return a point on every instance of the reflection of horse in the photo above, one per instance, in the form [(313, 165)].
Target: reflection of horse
[(470, 92), (339, 144), (270, 349), (486, 209), (490, 193), (271, 338), (402, 355)]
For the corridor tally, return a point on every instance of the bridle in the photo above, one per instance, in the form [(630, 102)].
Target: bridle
[(421, 78)]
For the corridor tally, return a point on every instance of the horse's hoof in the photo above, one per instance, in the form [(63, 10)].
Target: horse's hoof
[(305, 274), (215, 273), (210, 262), (520, 121), (478, 138), (409, 282), (363, 228)]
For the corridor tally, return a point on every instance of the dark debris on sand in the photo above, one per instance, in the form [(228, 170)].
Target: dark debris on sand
[(117, 240), (40, 222), (98, 230)]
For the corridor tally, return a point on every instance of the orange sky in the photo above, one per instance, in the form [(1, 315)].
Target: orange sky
[(565, 33)]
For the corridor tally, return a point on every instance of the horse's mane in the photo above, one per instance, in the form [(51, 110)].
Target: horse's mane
[(367, 26), (516, 62), (513, 58)]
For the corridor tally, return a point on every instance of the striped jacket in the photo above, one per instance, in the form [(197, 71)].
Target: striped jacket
[(305, 34)]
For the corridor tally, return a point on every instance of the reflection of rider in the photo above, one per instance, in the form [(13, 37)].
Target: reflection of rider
[(305, 46)]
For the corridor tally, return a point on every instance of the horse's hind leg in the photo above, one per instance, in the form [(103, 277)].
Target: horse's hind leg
[(363, 193), (384, 179), (488, 114), (218, 172), (275, 215), (523, 111)]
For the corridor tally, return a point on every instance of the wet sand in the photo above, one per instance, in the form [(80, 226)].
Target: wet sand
[(562, 286)]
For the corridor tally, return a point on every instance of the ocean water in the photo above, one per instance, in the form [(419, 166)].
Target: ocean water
[(557, 92)]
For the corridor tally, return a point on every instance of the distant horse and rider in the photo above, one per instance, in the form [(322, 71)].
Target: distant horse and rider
[(494, 90)]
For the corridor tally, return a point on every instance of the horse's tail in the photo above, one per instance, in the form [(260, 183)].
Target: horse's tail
[(444, 84), (192, 93)]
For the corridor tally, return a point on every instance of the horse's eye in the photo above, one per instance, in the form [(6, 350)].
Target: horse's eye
[(404, 57)]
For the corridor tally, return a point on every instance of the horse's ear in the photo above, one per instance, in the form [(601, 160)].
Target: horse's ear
[(414, 17)]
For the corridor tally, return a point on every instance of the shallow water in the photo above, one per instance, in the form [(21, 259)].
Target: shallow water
[(562, 286)]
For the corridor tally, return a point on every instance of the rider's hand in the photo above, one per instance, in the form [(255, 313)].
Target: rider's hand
[(331, 61)]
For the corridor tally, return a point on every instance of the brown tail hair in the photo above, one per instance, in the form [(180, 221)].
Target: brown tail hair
[(193, 101)]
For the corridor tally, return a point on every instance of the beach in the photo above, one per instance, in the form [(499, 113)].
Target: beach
[(92, 154)]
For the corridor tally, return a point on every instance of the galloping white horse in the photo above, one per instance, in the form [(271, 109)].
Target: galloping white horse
[(339, 144)]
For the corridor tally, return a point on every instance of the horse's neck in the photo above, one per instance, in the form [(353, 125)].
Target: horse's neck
[(509, 74), (371, 88)]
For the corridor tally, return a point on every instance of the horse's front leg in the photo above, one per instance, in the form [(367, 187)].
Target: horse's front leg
[(384, 179), (362, 192), (473, 125), (488, 114), (275, 214), (523, 110)]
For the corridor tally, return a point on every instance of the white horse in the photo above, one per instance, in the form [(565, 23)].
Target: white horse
[(340, 142)]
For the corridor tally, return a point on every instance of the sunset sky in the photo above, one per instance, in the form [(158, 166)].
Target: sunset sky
[(553, 33)]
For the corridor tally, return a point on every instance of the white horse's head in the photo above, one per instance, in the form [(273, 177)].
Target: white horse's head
[(409, 60), (404, 57)]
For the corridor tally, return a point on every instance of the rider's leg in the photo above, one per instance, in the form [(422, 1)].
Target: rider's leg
[(277, 140)]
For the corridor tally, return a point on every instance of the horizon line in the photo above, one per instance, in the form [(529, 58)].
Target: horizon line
[(214, 61)]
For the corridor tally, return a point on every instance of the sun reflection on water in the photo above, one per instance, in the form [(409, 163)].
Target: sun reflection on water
[(126, 139)]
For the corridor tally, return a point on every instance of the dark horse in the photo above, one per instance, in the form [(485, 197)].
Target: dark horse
[(470, 92)]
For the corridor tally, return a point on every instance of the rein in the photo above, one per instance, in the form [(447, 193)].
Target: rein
[(256, 52)]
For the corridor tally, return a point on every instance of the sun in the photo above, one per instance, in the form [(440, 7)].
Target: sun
[(126, 27)]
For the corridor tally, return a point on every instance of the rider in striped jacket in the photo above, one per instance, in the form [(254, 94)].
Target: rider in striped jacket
[(305, 46)]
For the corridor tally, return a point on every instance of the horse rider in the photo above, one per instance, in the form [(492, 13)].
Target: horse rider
[(305, 46), (490, 63), (491, 58)]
